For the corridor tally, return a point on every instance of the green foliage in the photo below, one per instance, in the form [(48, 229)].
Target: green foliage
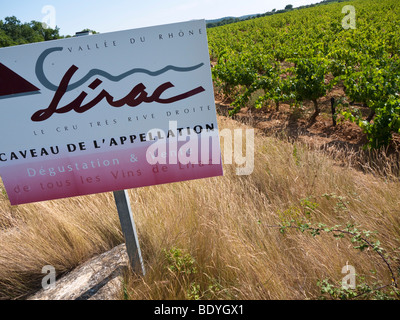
[(296, 155), (194, 292), (361, 241), (363, 291), (386, 122), (302, 220), (341, 203), (180, 262), (13, 32), (89, 30), (308, 205), (300, 55), (292, 215), (230, 20), (196, 285), (222, 22), (182, 266), (233, 70), (310, 74)]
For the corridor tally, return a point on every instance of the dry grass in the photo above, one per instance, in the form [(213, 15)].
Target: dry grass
[(209, 238), (62, 233), (222, 224)]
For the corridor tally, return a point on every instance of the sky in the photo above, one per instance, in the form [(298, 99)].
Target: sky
[(114, 15)]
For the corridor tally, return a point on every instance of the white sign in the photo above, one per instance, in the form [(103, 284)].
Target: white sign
[(107, 112)]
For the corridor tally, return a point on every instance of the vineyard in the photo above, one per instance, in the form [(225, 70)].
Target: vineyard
[(299, 57), (292, 228)]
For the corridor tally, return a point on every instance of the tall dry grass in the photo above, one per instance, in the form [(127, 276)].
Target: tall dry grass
[(211, 238), (222, 227), (62, 233)]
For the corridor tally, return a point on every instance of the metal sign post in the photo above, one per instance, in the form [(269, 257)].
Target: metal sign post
[(129, 231), (127, 223)]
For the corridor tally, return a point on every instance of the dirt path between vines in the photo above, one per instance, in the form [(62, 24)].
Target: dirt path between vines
[(294, 125), (344, 142)]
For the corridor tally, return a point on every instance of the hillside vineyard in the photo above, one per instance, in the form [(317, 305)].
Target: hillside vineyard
[(299, 56)]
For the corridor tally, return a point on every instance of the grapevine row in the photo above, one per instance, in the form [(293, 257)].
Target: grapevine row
[(300, 56)]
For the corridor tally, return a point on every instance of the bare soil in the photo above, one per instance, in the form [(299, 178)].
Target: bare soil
[(294, 123)]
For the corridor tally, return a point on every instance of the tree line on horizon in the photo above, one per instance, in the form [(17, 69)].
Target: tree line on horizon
[(288, 7), (13, 32)]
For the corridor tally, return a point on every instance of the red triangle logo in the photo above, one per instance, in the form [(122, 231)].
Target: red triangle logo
[(12, 83)]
